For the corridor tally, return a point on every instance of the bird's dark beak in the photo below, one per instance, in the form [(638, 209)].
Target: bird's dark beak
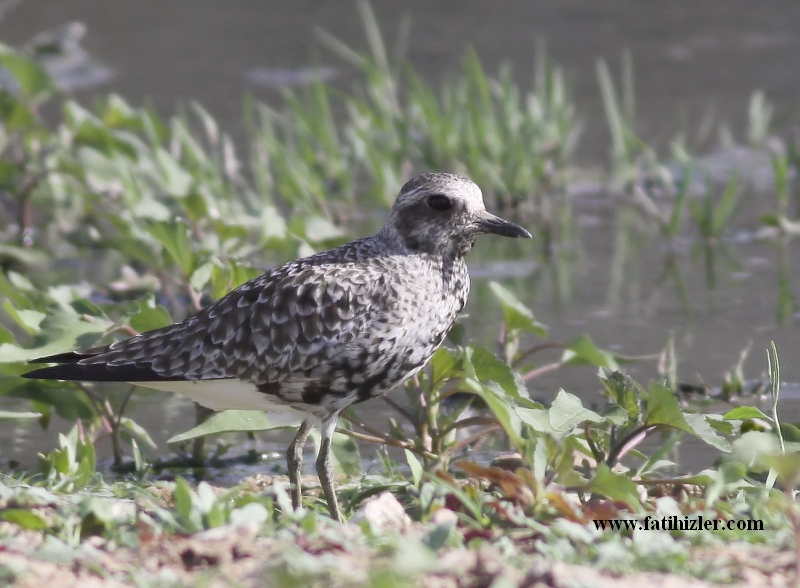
[(490, 223)]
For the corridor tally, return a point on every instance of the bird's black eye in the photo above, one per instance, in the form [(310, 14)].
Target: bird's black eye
[(439, 202)]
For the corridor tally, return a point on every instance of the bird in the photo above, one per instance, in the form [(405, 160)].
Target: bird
[(316, 335)]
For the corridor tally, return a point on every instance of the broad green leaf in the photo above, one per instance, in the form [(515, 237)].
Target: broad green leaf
[(753, 447), (700, 427), (344, 450), (34, 82), (745, 412), (582, 350), (231, 275), (175, 237), (13, 113), (273, 225), (149, 318), (177, 181), (567, 412), (443, 365), (152, 209), (186, 504), (787, 467), (415, 466), (209, 124), (22, 254), (206, 497), (61, 330), (790, 432), (622, 390), (516, 314), (490, 368), (561, 418), (139, 435), (729, 477), (136, 249), (63, 397), (615, 486), (501, 405), (118, 113), (317, 229), (27, 519), (663, 408), (231, 421), (537, 419), (27, 319), (201, 276)]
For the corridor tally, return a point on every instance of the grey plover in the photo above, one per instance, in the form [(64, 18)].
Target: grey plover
[(321, 333)]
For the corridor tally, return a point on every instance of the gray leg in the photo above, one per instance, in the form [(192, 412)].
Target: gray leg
[(325, 467), (294, 461)]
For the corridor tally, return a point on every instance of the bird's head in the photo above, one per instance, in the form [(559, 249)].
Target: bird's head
[(444, 213)]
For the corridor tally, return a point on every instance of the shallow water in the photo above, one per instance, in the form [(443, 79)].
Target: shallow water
[(692, 60)]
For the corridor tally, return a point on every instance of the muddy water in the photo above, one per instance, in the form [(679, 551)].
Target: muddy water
[(693, 60)]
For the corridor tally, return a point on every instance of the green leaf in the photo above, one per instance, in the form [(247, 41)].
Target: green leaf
[(13, 112), (6, 336), (787, 467), (344, 450), (138, 434), (753, 447), (490, 368), (22, 254), (118, 113), (700, 427), (415, 466), (443, 364), (61, 330), (318, 229), (615, 486), (230, 421), (623, 391), (663, 408), (567, 412), (27, 319), (582, 350), (61, 396), (150, 317), (201, 276), (741, 413), (27, 519), (501, 405), (177, 181), (516, 314), (558, 421), (184, 501), (175, 237), (790, 432), (34, 82)]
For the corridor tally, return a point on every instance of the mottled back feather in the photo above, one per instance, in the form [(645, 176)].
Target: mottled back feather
[(327, 330)]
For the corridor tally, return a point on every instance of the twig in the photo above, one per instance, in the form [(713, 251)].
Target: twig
[(388, 441), (535, 373), (469, 422), (398, 408), (472, 438), (536, 349)]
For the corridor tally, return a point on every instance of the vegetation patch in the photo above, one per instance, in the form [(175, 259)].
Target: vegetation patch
[(118, 221)]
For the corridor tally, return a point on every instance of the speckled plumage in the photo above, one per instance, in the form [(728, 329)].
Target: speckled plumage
[(321, 333)]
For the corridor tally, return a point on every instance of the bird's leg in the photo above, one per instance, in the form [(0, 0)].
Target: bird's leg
[(325, 467), (294, 461)]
